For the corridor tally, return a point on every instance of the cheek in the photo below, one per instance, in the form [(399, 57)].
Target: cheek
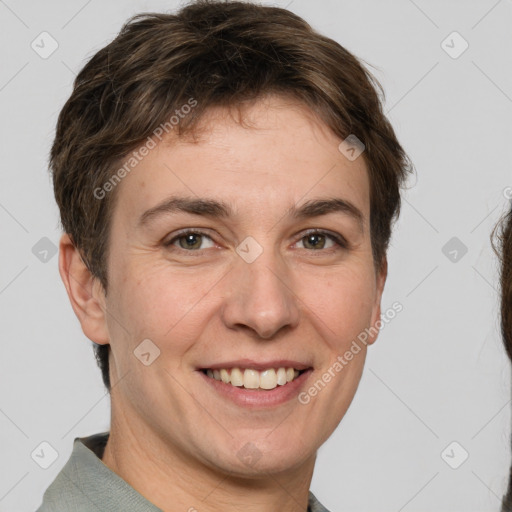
[(343, 301), (156, 303)]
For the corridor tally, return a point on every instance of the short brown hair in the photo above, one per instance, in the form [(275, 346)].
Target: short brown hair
[(502, 244), (221, 54)]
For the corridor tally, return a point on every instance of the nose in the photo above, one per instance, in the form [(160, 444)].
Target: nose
[(260, 297)]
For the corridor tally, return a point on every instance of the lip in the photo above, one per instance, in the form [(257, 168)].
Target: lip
[(256, 399), (258, 365)]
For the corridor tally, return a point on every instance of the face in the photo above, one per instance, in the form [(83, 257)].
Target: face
[(247, 279)]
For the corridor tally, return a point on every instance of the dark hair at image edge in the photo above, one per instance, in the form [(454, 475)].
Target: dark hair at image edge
[(220, 54), (502, 245)]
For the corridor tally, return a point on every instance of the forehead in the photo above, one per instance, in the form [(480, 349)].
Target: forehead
[(279, 156)]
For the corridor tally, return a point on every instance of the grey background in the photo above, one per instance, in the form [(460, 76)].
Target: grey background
[(438, 372)]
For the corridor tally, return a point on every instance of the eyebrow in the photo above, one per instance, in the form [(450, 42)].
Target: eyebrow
[(219, 209)]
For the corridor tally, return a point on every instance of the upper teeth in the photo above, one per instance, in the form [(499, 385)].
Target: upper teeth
[(254, 379)]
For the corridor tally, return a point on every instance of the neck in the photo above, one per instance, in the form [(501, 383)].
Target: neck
[(173, 479)]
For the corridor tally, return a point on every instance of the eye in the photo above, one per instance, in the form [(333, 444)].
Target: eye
[(317, 240), (188, 240)]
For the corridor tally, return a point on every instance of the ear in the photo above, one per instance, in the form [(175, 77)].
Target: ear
[(85, 292), (376, 312)]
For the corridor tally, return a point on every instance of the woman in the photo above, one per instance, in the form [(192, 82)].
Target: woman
[(238, 262)]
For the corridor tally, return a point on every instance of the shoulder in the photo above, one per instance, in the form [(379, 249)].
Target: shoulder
[(314, 505), (86, 484)]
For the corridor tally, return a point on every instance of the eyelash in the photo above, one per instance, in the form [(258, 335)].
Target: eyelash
[(340, 241)]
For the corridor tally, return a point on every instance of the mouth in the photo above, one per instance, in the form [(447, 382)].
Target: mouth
[(253, 379), (256, 385)]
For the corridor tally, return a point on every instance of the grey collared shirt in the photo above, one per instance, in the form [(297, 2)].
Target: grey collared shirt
[(86, 484)]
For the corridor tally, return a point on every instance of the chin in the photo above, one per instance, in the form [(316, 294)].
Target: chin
[(260, 458)]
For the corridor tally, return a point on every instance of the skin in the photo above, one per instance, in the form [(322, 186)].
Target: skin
[(173, 438)]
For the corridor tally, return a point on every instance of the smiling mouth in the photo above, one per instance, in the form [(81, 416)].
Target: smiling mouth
[(251, 379)]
